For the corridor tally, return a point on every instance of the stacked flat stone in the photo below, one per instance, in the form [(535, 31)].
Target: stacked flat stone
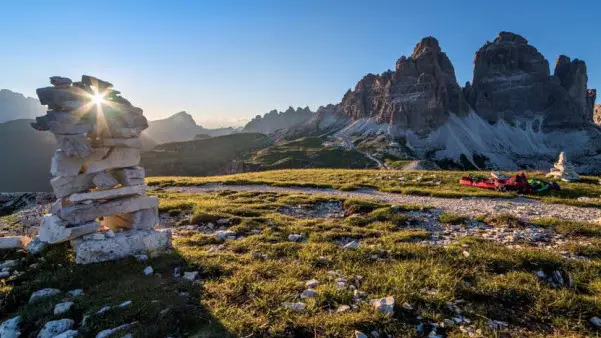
[(101, 205), (564, 170)]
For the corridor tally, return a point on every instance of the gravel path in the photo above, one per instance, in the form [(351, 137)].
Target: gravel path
[(520, 207)]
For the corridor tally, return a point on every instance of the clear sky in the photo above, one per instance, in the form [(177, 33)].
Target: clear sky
[(223, 61)]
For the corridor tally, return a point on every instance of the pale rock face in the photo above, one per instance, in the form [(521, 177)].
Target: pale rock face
[(564, 170), (297, 307), (63, 165), (104, 181), (125, 243), (10, 328), (80, 213), (63, 186), (74, 145), (191, 275), (141, 220), (107, 194), (130, 176), (56, 327), (14, 242), (55, 230), (116, 158)]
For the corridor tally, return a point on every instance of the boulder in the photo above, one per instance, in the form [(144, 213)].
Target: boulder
[(55, 230), (76, 145), (10, 328), (104, 181), (54, 328), (79, 213), (14, 242), (63, 165), (70, 98), (68, 334), (141, 220), (107, 194), (63, 307), (98, 84), (116, 158), (125, 243), (43, 293)]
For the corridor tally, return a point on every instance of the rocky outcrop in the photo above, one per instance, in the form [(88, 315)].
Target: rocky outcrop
[(274, 120), (597, 114), (420, 94), (512, 82)]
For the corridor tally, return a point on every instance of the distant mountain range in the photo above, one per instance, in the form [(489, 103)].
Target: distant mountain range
[(274, 120), (15, 106), (180, 127)]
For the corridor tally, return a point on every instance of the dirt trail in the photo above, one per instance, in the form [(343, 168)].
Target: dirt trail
[(520, 207)]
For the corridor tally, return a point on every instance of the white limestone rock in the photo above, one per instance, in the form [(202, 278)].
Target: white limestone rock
[(130, 176), (384, 305), (79, 213), (297, 307), (48, 292), (64, 186), (76, 145), (107, 194), (312, 284), (61, 308), (225, 234), (191, 275), (351, 245), (148, 270), (56, 327), (141, 220), (104, 181), (54, 230), (63, 165), (10, 328), (14, 242), (117, 158), (295, 237), (125, 243)]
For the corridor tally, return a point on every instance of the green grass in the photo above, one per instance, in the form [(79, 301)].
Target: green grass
[(245, 282), (448, 218), (394, 181)]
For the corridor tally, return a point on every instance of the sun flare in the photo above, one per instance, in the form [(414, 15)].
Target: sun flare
[(98, 98)]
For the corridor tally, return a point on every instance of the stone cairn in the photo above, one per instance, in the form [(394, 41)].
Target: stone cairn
[(101, 205), (564, 170)]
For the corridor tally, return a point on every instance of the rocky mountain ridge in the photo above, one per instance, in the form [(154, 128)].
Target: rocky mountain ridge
[(514, 114), (274, 120), (15, 106)]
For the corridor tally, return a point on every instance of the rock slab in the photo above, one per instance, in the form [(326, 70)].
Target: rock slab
[(125, 243)]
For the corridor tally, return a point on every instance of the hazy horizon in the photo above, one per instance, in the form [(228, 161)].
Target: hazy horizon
[(226, 62)]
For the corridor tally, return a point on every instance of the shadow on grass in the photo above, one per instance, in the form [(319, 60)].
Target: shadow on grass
[(161, 305)]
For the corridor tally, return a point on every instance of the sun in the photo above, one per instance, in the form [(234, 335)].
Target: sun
[(98, 98)]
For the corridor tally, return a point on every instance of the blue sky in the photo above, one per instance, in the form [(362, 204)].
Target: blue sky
[(223, 61)]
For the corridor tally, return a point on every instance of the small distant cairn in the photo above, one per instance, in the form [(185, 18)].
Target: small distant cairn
[(564, 170), (101, 205)]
